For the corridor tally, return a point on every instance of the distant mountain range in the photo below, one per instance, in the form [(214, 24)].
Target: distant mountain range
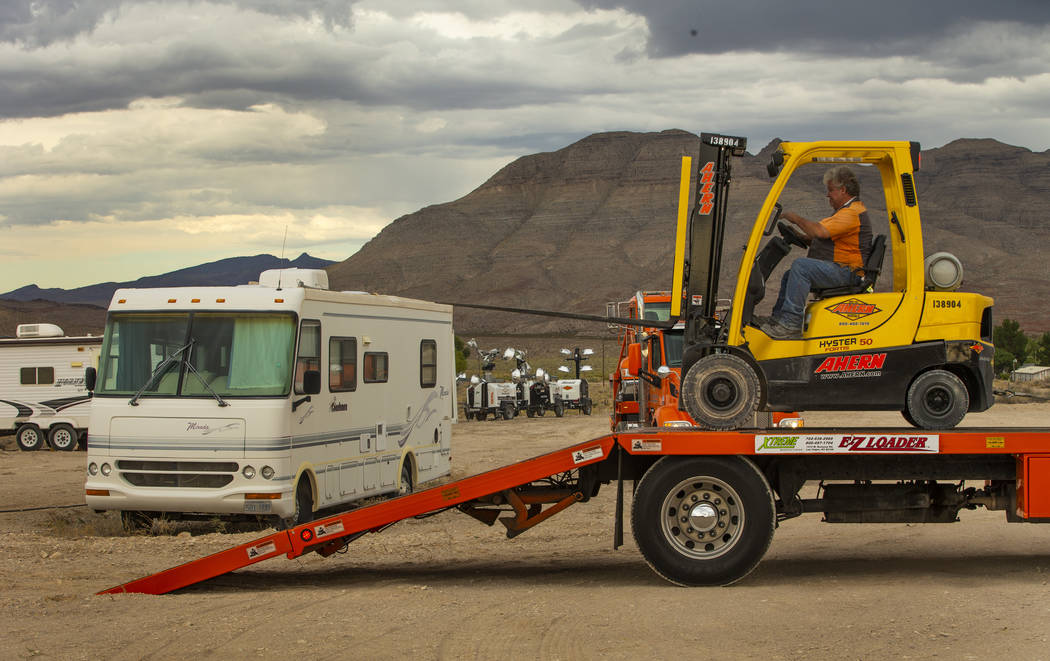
[(230, 271)]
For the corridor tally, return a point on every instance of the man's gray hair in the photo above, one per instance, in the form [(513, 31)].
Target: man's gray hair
[(843, 176)]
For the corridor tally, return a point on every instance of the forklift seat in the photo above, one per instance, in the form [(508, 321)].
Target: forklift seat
[(872, 267)]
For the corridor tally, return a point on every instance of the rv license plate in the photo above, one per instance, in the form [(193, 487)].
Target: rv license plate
[(260, 507)]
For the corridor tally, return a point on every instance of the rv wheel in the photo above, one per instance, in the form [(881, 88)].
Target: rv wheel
[(62, 437), (304, 503), (937, 400), (721, 391), (406, 486), (29, 438)]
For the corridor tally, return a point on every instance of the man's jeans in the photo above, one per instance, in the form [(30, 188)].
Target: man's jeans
[(806, 274)]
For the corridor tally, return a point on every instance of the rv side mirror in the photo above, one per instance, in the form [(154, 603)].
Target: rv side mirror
[(634, 358), (311, 382), (90, 376)]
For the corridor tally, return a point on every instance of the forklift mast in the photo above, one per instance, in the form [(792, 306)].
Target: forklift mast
[(704, 236)]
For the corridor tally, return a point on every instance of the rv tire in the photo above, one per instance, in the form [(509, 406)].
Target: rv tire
[(406, 486), (304, 503), (62, 437), (29, 438)]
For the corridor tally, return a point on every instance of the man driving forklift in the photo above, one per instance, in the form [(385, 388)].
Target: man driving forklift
[(839, 246)]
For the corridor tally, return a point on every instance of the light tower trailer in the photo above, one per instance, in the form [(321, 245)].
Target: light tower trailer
[(706, 503), (271, 400), (42, 391)]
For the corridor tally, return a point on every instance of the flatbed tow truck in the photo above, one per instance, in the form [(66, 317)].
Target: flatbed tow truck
[(707, 502)]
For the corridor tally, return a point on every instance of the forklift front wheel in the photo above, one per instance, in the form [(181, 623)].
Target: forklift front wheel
[(721, 391), (937, 400), (702, 521)]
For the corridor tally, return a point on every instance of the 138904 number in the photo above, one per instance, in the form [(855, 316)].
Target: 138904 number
[(940, 303)]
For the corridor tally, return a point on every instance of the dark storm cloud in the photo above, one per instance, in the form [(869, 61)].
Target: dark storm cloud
[(36, 23), (827, 27)]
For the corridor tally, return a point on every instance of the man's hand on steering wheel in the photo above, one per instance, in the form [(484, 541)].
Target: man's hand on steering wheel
[(793, 235)]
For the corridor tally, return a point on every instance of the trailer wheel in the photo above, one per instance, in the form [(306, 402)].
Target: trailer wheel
[(29, 438), (720, 391), (937, 400), (62, 437), (559, 409), (703, 520)]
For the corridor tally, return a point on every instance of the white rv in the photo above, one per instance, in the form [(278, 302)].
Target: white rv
[(42, 393), (272, 400)]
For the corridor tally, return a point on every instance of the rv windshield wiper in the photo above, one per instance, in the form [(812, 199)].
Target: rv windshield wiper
[(161, 368), (218, 398)]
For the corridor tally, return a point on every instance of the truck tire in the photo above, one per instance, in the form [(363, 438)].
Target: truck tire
[(702, 521), (62, 437), (721, 391), (530, 412), (937, 400), (29, 438), (559, 409), (508, 411), (586, 407)]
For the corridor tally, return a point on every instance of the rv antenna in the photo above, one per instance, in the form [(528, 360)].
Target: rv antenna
[(280, 265)]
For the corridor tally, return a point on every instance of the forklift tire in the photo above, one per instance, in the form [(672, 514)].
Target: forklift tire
[(937, 400), (559, 410), (721, 391), (29, 438), (62, 437), (703, 521)]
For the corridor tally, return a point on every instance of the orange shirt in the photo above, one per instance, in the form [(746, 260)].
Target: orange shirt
[(850, 239)]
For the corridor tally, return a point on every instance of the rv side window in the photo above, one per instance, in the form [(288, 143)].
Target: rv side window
[(428, 358), (309, 357), (376, 367), (37, 376), (342, 364)]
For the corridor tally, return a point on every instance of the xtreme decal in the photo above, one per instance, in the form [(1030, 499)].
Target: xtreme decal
[(846, 444)]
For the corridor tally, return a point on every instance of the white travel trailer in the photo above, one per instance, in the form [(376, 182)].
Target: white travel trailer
[(271, 400), (42, 393)]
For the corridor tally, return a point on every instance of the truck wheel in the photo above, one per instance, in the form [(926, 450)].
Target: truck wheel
[(508, 411), (62, 437), (703, 520), (530, 412), (937, 400), (586, 408), (541, 411), (720, 391), (29, 438), (559, 409)]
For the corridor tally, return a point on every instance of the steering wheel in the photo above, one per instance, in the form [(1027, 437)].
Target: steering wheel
[(793, 235)]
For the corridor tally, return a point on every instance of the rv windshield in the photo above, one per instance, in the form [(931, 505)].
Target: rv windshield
[(245, 354)]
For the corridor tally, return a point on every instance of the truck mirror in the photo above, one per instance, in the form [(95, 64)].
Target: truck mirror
[(634, 358), (311, 382), (90, 376)]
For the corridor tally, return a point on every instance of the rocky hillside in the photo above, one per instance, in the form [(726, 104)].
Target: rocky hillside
[(594, 222)]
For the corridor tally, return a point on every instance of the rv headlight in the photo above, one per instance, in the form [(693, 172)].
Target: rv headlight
[(248, 472), (106, 469), (267, 473), (92, 468)]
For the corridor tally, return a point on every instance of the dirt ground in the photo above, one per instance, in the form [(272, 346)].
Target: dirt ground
[(448, 587)]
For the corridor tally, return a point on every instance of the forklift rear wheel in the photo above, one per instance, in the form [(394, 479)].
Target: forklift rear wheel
[(703, 520), (720, 391), (29, 438), (62, 437), (937, 400)]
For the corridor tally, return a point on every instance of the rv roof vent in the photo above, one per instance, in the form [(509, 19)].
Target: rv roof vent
[(313, 278), (38, 330)]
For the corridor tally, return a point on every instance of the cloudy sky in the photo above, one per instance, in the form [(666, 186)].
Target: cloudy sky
[(140, 137)]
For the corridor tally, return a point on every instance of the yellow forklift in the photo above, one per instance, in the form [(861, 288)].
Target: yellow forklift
[(921, 348)]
